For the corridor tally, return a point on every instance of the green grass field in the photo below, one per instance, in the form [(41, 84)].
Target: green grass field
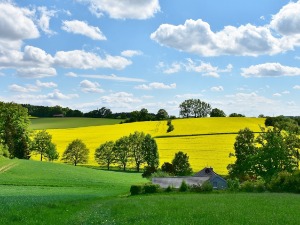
[(70, 122), (33, 192)]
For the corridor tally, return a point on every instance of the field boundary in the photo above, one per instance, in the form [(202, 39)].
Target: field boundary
[(195, 135), (7, 167)]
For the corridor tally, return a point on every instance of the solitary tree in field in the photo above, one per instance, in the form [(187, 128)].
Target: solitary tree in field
[(104, 155), (76, 152), (195, 108), (181, 164), (42, 144)]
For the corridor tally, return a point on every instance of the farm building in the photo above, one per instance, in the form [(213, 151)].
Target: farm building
[(206, 174)]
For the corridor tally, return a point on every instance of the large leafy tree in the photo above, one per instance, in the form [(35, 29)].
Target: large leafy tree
[(245, 154), (42, 145), (104, 154), (76, 152), (195, 108), (217, 113), (150, 151), (14, 129), (162, 114), (136, 148), (181, 164), (122, 151)]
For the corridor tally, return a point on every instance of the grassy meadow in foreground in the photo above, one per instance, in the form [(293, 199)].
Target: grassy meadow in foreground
[(49, 193), (189, 136)]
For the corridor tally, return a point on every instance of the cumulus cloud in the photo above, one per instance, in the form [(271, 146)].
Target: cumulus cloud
[(87, 60), (23, 89), (90, 87), (17, 27), (217, 88), (57, 95), (155, 85), (44, 20), (46, 84), (36, 56), (40, 72), (81, 27), (270, 70), (71, 74), (131, 53), (120, 98), (112, 77), (297, 87), (287, 20), (188, 96), (125, 9)]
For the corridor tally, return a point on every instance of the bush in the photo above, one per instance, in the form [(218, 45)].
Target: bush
[(159, 173), (169, 189), (183, 187), (207, 187), (148, 171), (136, 189), (285, 182), (151, 188), (247, 186), (260, 186), (4, 151), (196, 188), (233, 184), (170, 128)]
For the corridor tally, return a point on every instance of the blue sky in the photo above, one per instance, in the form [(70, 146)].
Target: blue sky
[(239, 56)]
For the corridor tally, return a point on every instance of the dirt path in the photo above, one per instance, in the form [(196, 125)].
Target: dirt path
[(7, 167)]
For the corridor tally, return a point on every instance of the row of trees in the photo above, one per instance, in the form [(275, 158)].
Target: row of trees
[(137, 148)]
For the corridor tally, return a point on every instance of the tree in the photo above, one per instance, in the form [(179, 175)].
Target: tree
[(245, 153), (104, 155), (14, 129), (162, 115), (217, 113), (136, 148), (122, 151), (76, 152), (42, 144), (181, 164), (194, 107), (236, 115), (168, 168), (150, 151)]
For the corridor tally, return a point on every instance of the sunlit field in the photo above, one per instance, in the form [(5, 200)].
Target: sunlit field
[(190, 136)]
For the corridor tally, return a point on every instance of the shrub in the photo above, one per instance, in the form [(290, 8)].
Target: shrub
[(148, 171), (207, 187), (136, 189), (260, 186), (247, 186), (4, 151), (196, 188), (170, 128), (169, 189), (183, 187), (233, 184), (151, 188), (159, 173), (285, 182)]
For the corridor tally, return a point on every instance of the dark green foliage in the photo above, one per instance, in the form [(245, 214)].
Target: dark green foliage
[(162, 115), (181, 164), (122, 151), (76, 152), (151, 188), (236, 115), (195, 108), (233, 184), (160, 173), (247, 186), (285, 182), (136, 189), (148, 171), (169, 189), (150, 151), (14, 130), (217, 113), (170, 126), (168, 168), (183, 187), (207, 187), (4, 150)]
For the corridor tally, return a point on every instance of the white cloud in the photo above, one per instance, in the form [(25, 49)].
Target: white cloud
[(57, 95), (81, 27), (125, 9), (90, 87), (131, 53), (44, 21), (40, 72), (174, 68), (270, 70), (17, 27), (277, 95), (287, 20), (71, 74), (188, 96), (297, 87), (112, 77), (87, 60), (46, 84), (155, 85), (217, 88), (196, 36), (27, 88), (120, 98), (37, 56)]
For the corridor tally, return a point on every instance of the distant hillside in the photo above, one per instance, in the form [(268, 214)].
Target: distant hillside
[(188, 136)]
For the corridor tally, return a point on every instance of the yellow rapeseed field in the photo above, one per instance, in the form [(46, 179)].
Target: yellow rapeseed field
[(203, 150)]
